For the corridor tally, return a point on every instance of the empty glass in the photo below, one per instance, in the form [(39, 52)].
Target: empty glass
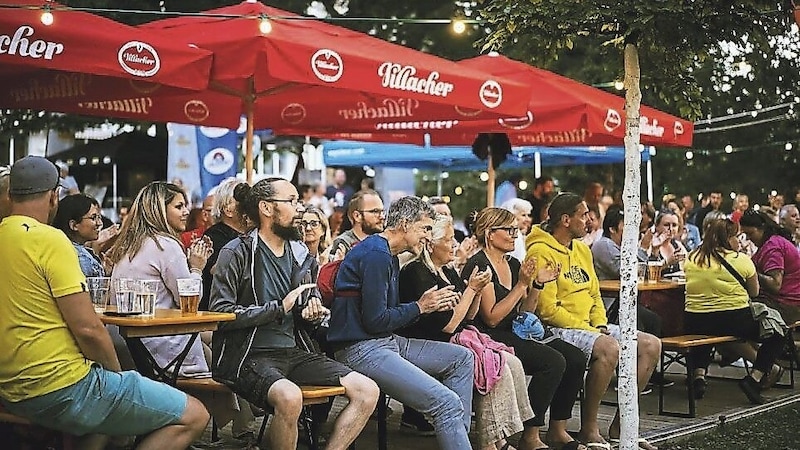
[(98, 291)]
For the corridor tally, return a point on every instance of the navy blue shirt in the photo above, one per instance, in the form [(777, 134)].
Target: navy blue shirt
[(371, 269)]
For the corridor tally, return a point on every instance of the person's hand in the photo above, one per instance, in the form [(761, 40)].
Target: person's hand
[(291, 298), (437, 299), (198, 253), (659, 239), (477, 280), (547, 273), (526, 271), (314, 310), (466, 249), (339, 254), (646, 239), (105, 235)]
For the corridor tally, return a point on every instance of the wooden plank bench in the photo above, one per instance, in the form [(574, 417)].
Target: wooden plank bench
[(312, 395), (680, 345), (66, 440)]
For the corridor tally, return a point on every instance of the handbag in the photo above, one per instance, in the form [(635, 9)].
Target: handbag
[(769, 320)]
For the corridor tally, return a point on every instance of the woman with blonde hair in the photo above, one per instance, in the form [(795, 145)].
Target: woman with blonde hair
[(316, 236), (556, 367), (149, 248)]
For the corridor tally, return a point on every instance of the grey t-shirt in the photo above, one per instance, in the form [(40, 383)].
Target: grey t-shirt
[(272, 281)]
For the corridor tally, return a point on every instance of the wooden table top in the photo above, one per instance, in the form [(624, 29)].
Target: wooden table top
[(167, 322), (662, 285)]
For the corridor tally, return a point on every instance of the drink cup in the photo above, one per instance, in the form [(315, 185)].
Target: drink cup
[(641, 272), (654, 271), (189, 292), (146, 295), (125, 296), (98, 291)]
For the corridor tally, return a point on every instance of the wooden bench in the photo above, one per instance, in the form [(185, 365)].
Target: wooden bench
[(680, 346), (312, 395), (66, 440)]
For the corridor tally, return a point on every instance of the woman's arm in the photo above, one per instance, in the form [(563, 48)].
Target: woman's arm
[(752, 285), (467, 306), (771, 281), (493, 311)]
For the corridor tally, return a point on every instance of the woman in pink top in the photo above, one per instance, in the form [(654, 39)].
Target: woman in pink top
[(777, 262)]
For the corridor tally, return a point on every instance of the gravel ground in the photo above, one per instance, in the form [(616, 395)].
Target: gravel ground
[(778, 429)]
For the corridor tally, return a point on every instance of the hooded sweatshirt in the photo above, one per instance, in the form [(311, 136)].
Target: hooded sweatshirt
[(573, 299)]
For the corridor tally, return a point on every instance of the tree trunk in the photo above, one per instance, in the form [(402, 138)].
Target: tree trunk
[(628, 391)]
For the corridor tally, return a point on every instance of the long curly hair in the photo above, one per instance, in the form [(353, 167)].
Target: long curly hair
[(147, 218)]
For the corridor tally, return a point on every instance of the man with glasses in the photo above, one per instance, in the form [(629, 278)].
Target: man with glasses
[(573, 308), (435, 378), (58, 357), (366, 214), (266, 278)]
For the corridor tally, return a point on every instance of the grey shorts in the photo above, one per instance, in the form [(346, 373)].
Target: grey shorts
[(585, 339), (105, 402)]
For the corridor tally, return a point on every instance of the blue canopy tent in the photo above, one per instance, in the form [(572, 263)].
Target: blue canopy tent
[(455, 158)]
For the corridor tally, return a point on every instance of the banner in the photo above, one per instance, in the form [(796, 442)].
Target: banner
[(200, 158)]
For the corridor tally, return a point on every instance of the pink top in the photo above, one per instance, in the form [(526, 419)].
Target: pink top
[(779, 253), (489, 359)]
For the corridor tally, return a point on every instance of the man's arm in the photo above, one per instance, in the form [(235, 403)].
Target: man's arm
[(89, 332)]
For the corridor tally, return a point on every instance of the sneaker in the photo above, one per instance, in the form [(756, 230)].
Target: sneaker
[(774, 375), (700, 385), (647, 389), (752, 390), (418, 427)]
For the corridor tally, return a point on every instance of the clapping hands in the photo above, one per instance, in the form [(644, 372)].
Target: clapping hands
[(197, 254)]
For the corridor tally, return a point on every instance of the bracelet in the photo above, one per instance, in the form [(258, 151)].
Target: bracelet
[(537, 285)]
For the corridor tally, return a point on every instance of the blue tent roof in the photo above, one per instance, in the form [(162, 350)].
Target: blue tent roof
[(354, 153)]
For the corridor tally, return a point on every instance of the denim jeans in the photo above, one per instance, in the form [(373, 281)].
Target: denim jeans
[(408, 370)]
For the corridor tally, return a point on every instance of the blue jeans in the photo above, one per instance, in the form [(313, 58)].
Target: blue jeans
[(408, 369)]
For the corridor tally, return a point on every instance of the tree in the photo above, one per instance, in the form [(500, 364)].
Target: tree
[(676, 39)]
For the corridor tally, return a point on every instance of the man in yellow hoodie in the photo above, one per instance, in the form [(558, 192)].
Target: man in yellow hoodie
[(572, 306)]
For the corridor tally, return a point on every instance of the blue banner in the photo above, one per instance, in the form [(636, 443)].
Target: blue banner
[(218, 155)]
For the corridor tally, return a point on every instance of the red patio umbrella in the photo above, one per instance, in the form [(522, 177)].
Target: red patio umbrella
[(81, 55), (561, 112)]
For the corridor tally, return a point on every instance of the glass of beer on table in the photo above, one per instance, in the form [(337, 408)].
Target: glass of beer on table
[(189, 290)]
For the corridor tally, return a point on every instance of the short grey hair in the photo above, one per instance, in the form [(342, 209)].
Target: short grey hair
[(785, 210), (440, 224), (407, 210), (223, 197), (517, 206)]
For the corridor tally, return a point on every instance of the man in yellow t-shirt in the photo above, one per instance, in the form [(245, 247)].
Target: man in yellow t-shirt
[(58, 367), (573, 308)]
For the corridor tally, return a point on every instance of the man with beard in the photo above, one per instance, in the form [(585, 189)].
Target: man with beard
[(540, 196), (362, 327), (573, 308), (366, 214), (266, 278)]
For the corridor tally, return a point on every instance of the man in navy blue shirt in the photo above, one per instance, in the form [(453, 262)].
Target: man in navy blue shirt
[(362, 327)]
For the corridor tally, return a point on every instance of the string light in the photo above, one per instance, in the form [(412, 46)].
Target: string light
[(47, 16), (459, 26), (458, 190), (788, 146), (619, 85), (728, 149), (689, 154), (264, 25), (484, 176)]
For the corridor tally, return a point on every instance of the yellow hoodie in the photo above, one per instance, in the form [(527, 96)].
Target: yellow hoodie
[(573, 300)]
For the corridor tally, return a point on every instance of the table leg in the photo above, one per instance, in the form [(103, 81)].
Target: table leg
[(147, 366)]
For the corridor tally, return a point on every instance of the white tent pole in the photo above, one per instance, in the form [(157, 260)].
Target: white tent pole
[(11, 151), (650, 181), (114, 186), (537, 165)]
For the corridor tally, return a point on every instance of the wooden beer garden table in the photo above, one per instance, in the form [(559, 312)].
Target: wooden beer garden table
[(165, 322), (664, 297)]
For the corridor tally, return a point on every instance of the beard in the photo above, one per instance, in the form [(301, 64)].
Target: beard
[(372, 229), (290, 233)]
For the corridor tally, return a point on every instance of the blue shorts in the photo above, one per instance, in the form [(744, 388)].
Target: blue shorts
[(105, 402)]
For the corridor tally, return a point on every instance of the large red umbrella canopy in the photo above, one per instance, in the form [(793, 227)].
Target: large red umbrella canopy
[(561, 112), (82, 56)]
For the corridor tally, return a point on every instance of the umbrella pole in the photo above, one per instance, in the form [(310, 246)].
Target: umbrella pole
[(248, 155), (490, 182)]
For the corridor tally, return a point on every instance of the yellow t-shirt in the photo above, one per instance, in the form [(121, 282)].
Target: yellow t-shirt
[(38, 353), (710, 289)]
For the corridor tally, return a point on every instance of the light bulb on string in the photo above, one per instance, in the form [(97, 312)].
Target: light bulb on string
[(788, 146), (47, 16), (619, 85), (264, 25), (459, 26), (484, 176), (728, 149), (689, 155)]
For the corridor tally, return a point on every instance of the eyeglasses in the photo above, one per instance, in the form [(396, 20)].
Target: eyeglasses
[(93, 218), (512, 231), (309, 223), (295, 202), (376, 211)]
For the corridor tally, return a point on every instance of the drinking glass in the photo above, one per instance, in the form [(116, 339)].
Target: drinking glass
[(125, 296), (98, 291), (146, 295), (189, 292)]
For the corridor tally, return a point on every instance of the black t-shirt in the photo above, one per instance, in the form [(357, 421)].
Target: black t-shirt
[(272, 280), (481, 261), (415, 279)]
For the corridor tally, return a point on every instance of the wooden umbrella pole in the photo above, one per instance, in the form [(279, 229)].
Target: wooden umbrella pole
[(248, 155), (490, 182)]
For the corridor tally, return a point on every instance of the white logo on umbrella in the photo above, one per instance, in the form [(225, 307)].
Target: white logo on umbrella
[(678, 128), (613, 120), (139, 59), (517, 123), (491, 94), (218, 161), (327, 65)]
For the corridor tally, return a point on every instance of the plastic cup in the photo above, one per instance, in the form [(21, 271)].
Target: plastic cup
[(98, 291), (641, 272), (125, 296), (189, 292), (146, 295), (654, 271)]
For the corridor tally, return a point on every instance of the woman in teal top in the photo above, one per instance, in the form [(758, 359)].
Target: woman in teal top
[(718, 304)]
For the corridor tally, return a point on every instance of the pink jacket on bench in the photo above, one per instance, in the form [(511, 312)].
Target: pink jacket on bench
[(489, 359)]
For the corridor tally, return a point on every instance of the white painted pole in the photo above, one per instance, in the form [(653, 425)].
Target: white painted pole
[(11, 151), (537, 165), (114, 186), (650, 181)]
